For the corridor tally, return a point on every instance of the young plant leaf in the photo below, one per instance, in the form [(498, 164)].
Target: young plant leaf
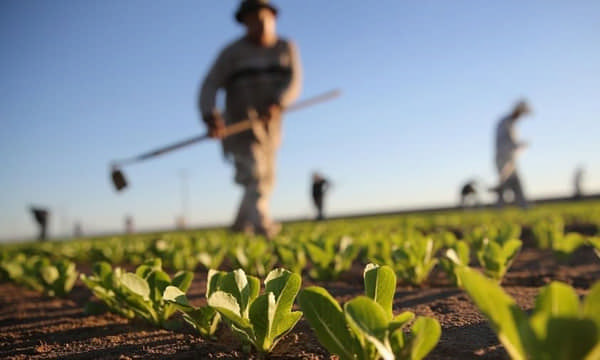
[(400, 321), (380, 285), (136, 285), (183, 280), (261, 315), (591, 304), (425, 333), (368, 319), (284, 285), (267, 317), (507, 320), (328, 321), (176, 296)]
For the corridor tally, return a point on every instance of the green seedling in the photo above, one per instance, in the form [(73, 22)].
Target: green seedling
[(330, 258), (547, 231), (550, 234), (594, 241), (559, 328), (366, 329), (138, 294), (259, 320), (496, 258), (414, 260), (292, 257), (40, 273), (254, 256), (204, 319), (457, 255)]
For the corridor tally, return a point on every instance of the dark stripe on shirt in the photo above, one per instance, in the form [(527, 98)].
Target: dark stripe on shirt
[(252, 72)]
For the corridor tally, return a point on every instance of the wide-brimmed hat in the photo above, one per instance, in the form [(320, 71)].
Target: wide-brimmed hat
[(522, 107), (247, 6)]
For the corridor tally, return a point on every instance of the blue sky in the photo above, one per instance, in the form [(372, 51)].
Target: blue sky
[(424, 82)]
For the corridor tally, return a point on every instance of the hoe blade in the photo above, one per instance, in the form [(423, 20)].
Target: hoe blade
[(118, 179)]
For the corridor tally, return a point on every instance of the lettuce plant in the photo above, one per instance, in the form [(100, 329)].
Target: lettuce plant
[(546, 231), (497, 233), (205, 319), (496, 248), (366, 329), (5, 262), (445, 239), (259, 320), (175, 252), (105, 284), (379, 248), (40, 273), (253, 256), (114, 252), (185, 251), (58, 276), (329, 258), (137, 294), (550, 234), (291, 256), (457, 255), (495, 258), (414, 260), (594, 241), (506, 232), (559, 328), (210, 251), (14, 269), (563, 246)]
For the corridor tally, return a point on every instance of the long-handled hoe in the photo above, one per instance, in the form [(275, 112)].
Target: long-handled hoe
[(120, 182)]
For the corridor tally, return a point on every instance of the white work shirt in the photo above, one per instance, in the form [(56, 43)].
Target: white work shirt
[(506, 147)]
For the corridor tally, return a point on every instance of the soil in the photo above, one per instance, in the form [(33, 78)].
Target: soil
[(33, 326)]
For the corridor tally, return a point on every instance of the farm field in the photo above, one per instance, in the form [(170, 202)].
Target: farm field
[(558, 242)]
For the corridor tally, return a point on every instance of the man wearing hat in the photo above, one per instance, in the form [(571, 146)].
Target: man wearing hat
[(41, 216), (320, 186), (507, 149), (261, 75)]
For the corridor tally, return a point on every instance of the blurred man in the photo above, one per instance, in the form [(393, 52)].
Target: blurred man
[(77, 230), (41, 218), (129, 229), (468, 194), (577, 182), (319, 187), (261, 74), (507, 149)]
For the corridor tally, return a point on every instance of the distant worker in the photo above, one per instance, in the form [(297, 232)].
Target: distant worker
[(129, 229), (578, 182), (41, 217), (468, 194), (180, 222), (507, 149), (77, 230), (320, 186), (261, 75)]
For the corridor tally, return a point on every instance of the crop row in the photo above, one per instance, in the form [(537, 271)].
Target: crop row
[(365, 327), (396, 248), (321, 254)]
